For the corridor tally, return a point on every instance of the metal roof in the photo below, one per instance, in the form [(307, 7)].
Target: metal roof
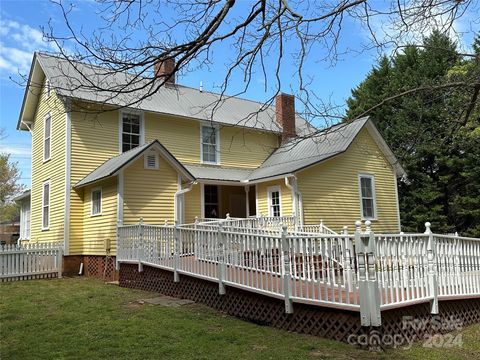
[(300, 153), (26, 194), (75, 80), (114, 164), (218, 173)]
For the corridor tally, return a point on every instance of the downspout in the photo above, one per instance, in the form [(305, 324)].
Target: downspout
[(176, 199), (297, 200)]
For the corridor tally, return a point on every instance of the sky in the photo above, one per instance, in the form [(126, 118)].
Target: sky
[(21, 23)]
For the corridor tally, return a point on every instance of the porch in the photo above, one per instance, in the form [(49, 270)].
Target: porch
[(363, 272)]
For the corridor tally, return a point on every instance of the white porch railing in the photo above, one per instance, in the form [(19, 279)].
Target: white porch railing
[(363, 271), (30, 261)]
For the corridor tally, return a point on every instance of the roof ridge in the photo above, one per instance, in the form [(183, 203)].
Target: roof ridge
[(222, 95)]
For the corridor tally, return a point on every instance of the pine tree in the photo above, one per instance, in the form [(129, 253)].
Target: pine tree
[(439, 151)]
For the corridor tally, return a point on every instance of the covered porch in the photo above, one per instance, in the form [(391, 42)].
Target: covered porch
[(220, 192)]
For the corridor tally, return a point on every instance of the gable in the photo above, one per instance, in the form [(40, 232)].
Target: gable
[(112, 166)]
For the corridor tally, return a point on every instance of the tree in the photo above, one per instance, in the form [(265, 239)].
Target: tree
[(434, 134), (9, 187), (261, 36)]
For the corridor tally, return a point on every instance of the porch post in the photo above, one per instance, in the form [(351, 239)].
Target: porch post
[(368, 283), (221, 260), (432, 270), (286, 271), (176, 258), (247, 201), (141, 250)]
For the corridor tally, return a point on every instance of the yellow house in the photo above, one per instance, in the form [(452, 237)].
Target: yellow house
[(174, 156)]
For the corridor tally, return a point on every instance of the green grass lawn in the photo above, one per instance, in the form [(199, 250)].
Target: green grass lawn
[(79, 318)]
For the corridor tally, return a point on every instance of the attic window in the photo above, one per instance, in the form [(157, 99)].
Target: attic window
[(151, 161)]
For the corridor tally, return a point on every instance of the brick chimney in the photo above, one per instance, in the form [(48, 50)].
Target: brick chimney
[(285, 115), (165, 68)]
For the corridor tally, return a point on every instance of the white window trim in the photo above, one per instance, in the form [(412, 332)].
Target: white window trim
[(217, 145), (270, 190), (120, 126), (157, 160), (49, 202), (91, 201), (24, 219), (48, 88), (374, 196), (47, 115)]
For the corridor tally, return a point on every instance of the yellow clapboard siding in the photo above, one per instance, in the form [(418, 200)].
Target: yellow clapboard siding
[(94, 139), (192, 204), (262, 197), (330, 190), (52, 170), (100, 227), (239, 147), (149, 193)]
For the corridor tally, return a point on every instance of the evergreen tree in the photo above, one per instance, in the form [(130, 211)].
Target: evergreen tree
[(429, 132)]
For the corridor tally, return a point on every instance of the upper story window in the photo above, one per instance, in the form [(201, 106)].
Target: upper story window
[(131, 136), (46, 205), (210, 145), (96, 199), (47, 130), (274, 201), (367, 196)]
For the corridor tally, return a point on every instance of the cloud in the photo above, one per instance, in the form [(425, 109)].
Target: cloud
[(17, 151), (19, 41)]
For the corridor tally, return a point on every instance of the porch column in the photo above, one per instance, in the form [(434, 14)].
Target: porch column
[(247, 202)]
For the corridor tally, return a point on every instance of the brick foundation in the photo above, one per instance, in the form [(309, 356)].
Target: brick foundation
[(325, 322), (93, 266)]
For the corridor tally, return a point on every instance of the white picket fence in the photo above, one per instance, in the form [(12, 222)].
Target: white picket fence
[(30, 261), (363, 272)]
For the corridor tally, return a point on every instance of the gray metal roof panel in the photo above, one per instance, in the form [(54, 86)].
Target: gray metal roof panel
[(301, 153), (218, 173), (76, 80)]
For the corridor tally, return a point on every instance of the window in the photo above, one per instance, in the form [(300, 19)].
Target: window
[(151, 160), (274, 201), (131, 131), (47, 136), (209, 146), (48, 88), (46, 205), (211, 201), (367, 196), (96, 200)]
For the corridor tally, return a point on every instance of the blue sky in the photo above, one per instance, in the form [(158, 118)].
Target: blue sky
[(20, 36)]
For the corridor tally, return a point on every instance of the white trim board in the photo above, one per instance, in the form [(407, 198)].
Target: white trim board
[(68, 165), (374, 196), (270, 190)]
